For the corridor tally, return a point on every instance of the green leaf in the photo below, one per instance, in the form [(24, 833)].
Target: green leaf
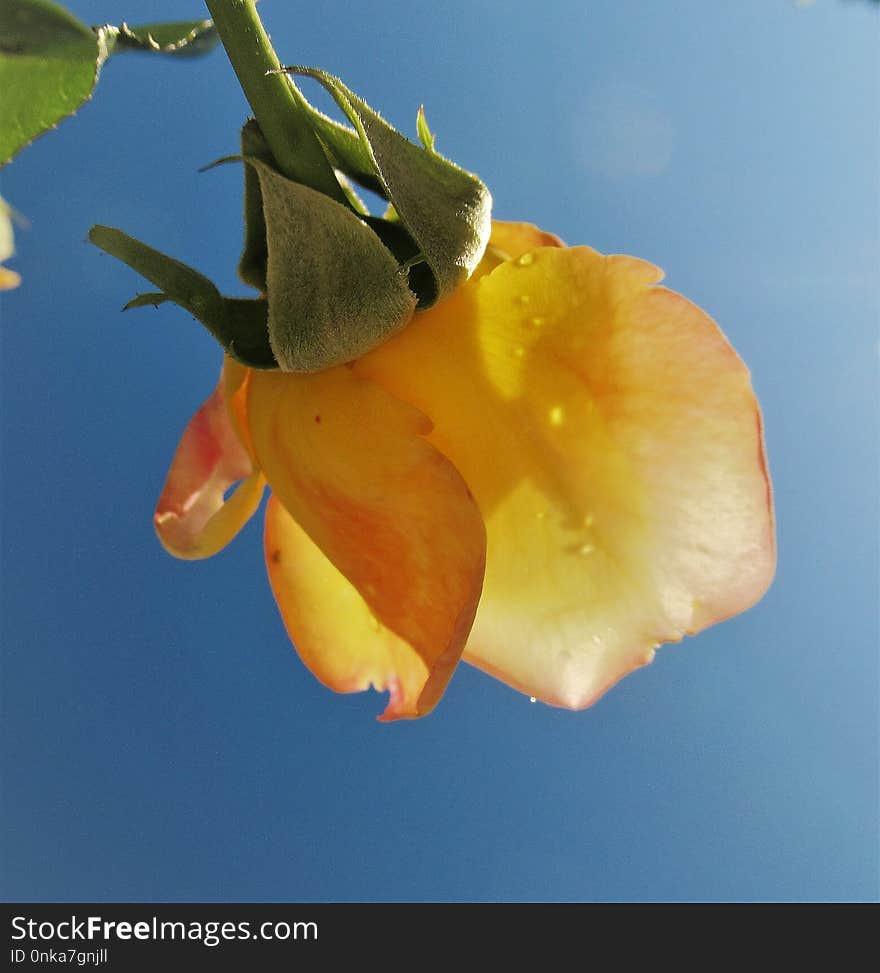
[(50, 62), (334, 290), (188, 38), (446, 210), (239, 325)]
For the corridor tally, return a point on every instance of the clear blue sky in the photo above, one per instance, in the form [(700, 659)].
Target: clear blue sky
[(162, 741)]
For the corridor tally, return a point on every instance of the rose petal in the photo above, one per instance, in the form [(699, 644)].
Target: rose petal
[(335, 632), (8, 278), (394, 533), (516, 239), (192, 519), (612, 439), (510, 240)]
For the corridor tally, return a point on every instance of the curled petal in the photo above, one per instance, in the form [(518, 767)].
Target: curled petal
[(193, 519), (515, 239), (335, 632), (379, 577), (511, 240), (612, 439)]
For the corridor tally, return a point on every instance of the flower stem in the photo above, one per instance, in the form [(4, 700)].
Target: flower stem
[(275, 100)]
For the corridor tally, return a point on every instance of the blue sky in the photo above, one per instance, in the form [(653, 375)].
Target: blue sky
[(161, 739)]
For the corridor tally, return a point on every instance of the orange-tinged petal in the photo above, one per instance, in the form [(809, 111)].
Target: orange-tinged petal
[(192, 519), (335, 632), (612, 439), (234, 379), (387, 528), (510, 240), (8, 279), (515, 239)]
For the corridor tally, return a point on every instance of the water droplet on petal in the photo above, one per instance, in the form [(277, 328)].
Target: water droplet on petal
[(533, 699), (519, 351), (525, 259), (524, 298), (557, 415), (588, 520), (587, 549), (538, 322)]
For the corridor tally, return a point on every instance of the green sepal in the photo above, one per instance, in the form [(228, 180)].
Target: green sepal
[(50, 63), (334, 289), (252, 265), (346, 150), (445, 210), (152, 299), (239, 325), (254, 255), (351, 196), (426, 136)]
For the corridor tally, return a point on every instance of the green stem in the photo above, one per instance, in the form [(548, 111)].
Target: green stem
[(275, 100)]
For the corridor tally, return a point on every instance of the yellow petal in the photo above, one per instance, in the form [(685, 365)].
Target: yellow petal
[(515, 239), (335, 632), (510, 240), (192, 519), (387, 531), (612, 439), (8, 278)]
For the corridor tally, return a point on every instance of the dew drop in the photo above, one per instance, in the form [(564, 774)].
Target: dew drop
[(533, 699), (588, 520), (538, 322), (541, 514), (587, 549), (519, 351), (557, 415), (524, 298), (525, 259)]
